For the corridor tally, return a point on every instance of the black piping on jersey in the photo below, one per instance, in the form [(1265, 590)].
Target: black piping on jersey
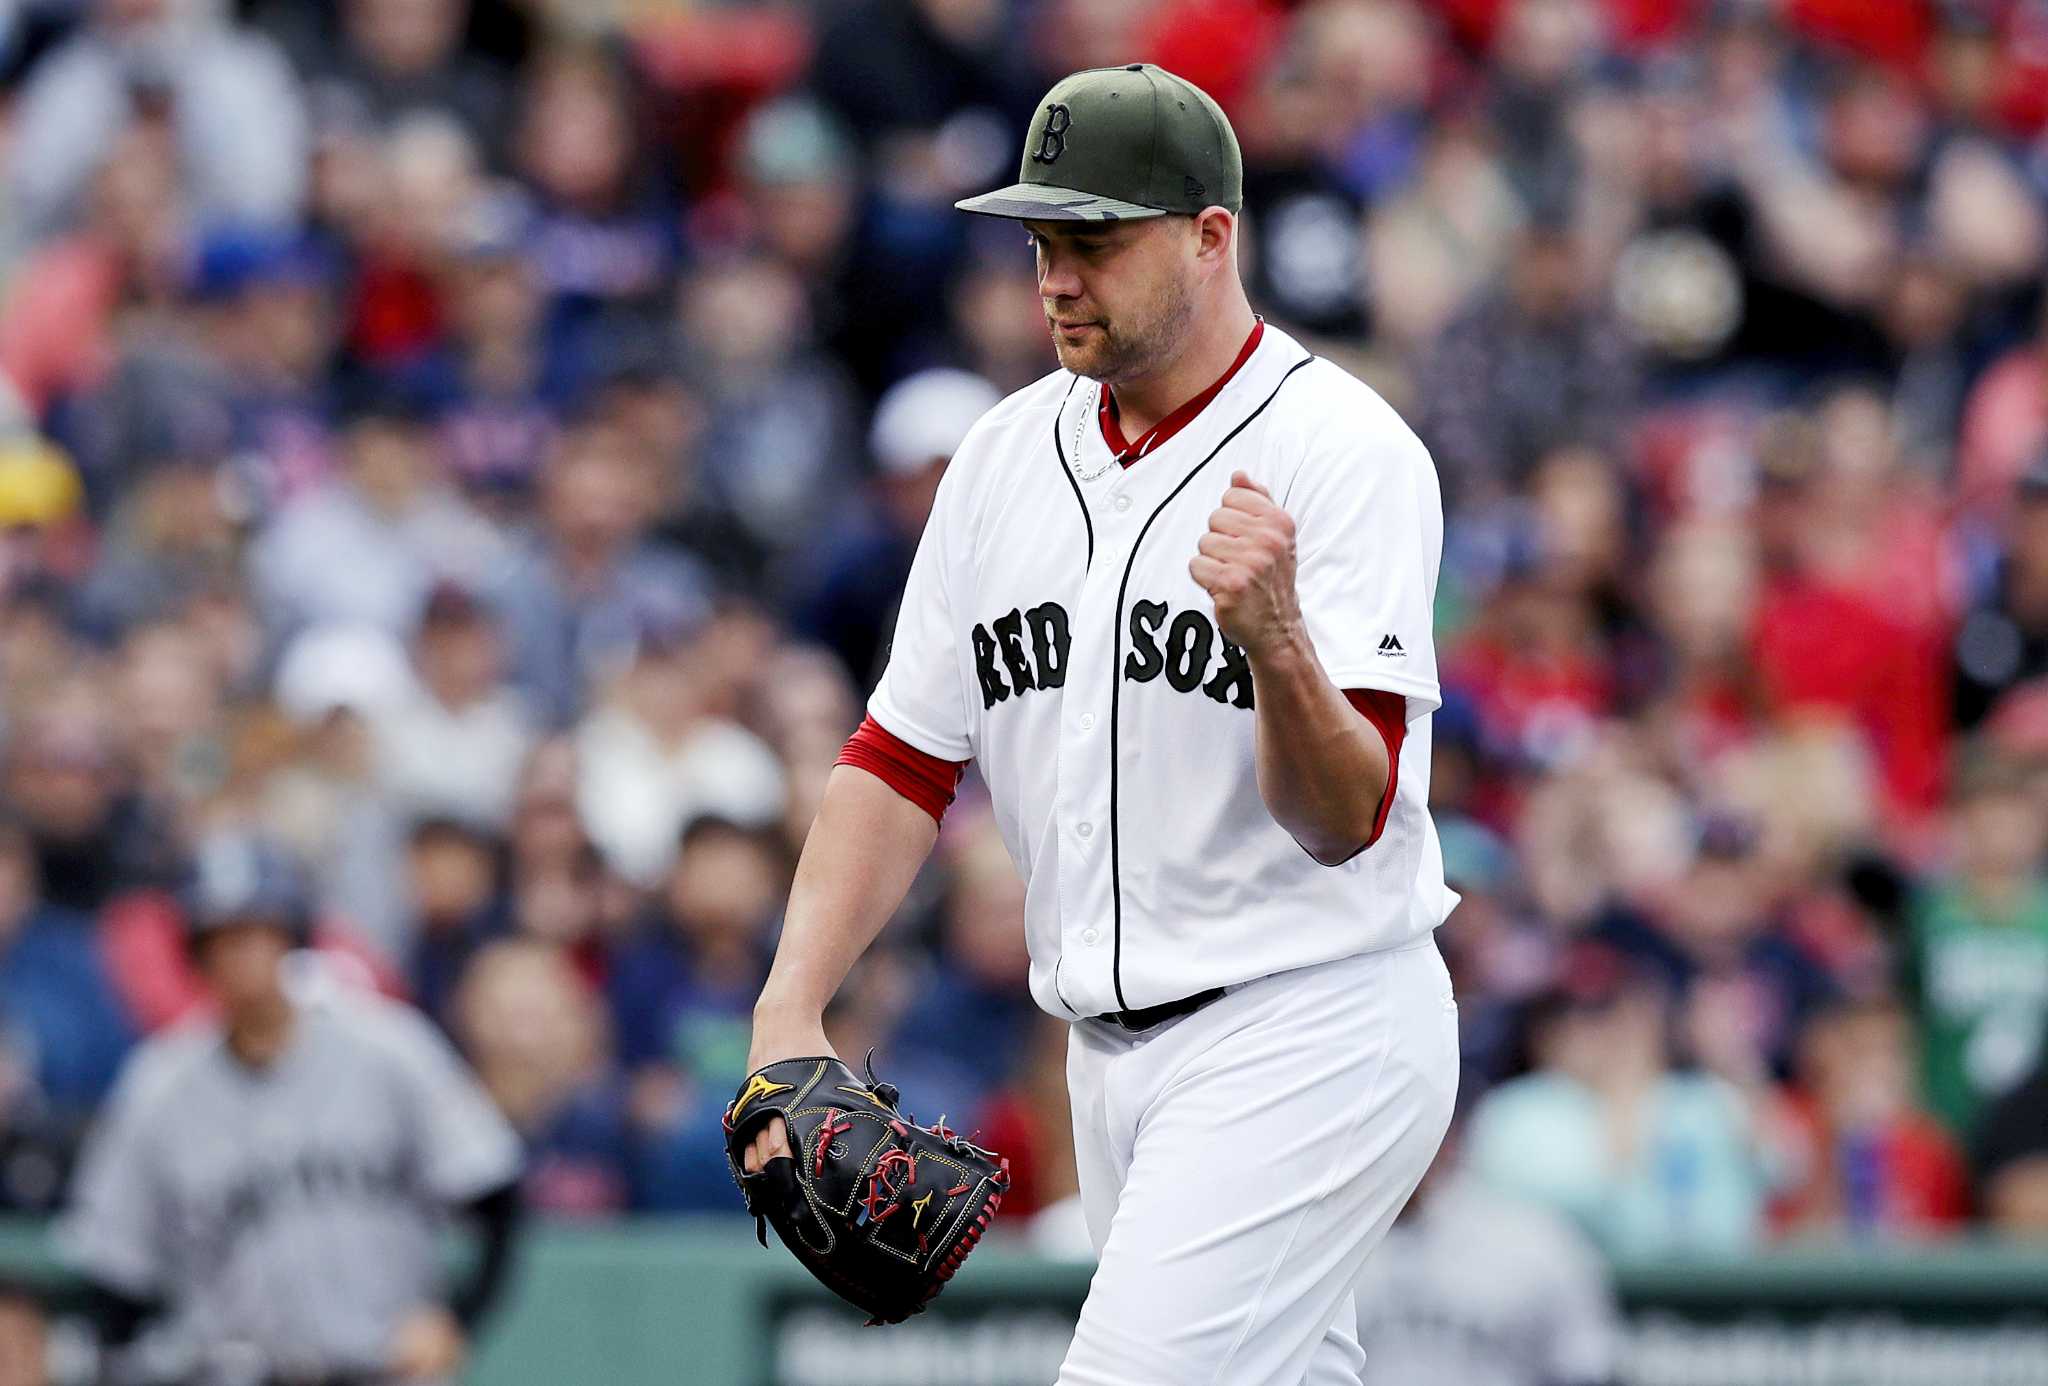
[(1057, 964), (1088, 524), (1116, 887), (1068, 472)]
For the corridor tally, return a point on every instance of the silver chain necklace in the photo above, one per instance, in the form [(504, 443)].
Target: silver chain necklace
[(1081, 417)]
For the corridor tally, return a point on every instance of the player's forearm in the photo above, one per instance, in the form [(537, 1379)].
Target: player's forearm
[(858, 862), (496, 1217), (117, 1315), (1322, 768)]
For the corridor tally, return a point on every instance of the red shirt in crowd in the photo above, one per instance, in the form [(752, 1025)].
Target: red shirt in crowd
[(1820, 646), (1904, 1176)]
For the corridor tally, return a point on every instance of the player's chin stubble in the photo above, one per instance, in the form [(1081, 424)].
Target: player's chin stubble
[(1099, 357), (1125, 350)]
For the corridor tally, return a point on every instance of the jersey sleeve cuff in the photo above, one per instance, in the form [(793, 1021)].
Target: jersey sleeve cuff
[(886, 716), (1423, 691)]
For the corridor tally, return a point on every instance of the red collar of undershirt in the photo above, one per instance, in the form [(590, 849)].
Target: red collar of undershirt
[(1130, 450)]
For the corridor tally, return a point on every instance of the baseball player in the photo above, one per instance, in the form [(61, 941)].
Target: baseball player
[(1478, 1288), (1174, 600), (267, 1191)]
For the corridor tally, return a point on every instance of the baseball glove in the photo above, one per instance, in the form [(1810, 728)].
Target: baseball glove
[(881, 1210)]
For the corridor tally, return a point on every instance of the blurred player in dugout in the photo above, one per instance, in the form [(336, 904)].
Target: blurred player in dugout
[(263, 1200), (1474, 1287)]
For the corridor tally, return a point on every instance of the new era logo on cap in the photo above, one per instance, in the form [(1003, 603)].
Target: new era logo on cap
[(1391, 646)]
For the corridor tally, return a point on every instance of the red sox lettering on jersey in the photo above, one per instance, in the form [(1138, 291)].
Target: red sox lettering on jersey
[(1050, 631)]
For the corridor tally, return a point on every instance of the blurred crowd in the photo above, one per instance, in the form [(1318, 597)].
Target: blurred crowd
[(480, 444)]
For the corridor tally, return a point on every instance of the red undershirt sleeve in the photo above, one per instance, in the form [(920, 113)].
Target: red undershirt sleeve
[(1388, 712), (918, 776)]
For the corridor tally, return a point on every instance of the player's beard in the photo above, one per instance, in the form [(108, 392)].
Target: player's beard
[(1135, 343)]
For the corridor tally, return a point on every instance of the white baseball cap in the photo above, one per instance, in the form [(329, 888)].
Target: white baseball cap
[(331, 667), (924, 416)]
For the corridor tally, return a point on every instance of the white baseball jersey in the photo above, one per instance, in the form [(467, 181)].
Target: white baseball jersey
[(1050, 631)]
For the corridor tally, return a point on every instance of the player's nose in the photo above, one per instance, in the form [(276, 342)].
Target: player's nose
[(1057, 279)]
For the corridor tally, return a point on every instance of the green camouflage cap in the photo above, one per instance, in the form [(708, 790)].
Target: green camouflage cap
[(1115, 143)]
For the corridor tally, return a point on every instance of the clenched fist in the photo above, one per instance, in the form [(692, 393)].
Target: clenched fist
[(1246, 565), (429, 1346)]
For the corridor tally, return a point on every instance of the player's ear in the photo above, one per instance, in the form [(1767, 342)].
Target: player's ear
[(1215, 235)]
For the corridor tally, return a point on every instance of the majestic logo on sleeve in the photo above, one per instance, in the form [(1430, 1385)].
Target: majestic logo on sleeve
[(1183, 651), (1023, 650), (1053, 142)]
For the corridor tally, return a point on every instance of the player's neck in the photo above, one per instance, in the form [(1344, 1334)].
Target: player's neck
[(260, 1034), (1213, 346)]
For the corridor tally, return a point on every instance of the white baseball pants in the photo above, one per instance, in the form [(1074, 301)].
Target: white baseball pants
[(1238, 1164)]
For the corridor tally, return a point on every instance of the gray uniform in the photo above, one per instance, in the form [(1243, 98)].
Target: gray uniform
[(1480, 1289), (290, 1215)]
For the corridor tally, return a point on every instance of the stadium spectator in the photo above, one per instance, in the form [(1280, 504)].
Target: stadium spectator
[(536, 1036), (497, 383), (1646, 1159), (780, 432), (1552, 371), (1745, 986), (655, 755), (169, 540), (223, 96), (1872, 1161), (2002, 639), (578, 592), (458, 905), (425, 185), (606, 244), (453, 743), (57, 1002), (1032, 1122), (323, 796), (1978, 953), (393, 58), (2004, 427), (2011, 1160), (263, 323), (974, 1009), (94, 835), (848, 601), (368, 548), (694, 966)]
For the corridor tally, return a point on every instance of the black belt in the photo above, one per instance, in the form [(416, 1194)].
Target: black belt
[(1135, 1021)]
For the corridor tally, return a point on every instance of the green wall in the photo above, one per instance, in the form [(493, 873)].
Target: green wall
[(699, 1304)]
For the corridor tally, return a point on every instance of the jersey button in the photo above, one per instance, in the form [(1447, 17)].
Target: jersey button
[(1084, 830), (1087, 721), (1123, 503), (1091, 935)]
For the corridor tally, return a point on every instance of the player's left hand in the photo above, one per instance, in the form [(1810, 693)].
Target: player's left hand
[(1246, 565), (428, 1346)]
